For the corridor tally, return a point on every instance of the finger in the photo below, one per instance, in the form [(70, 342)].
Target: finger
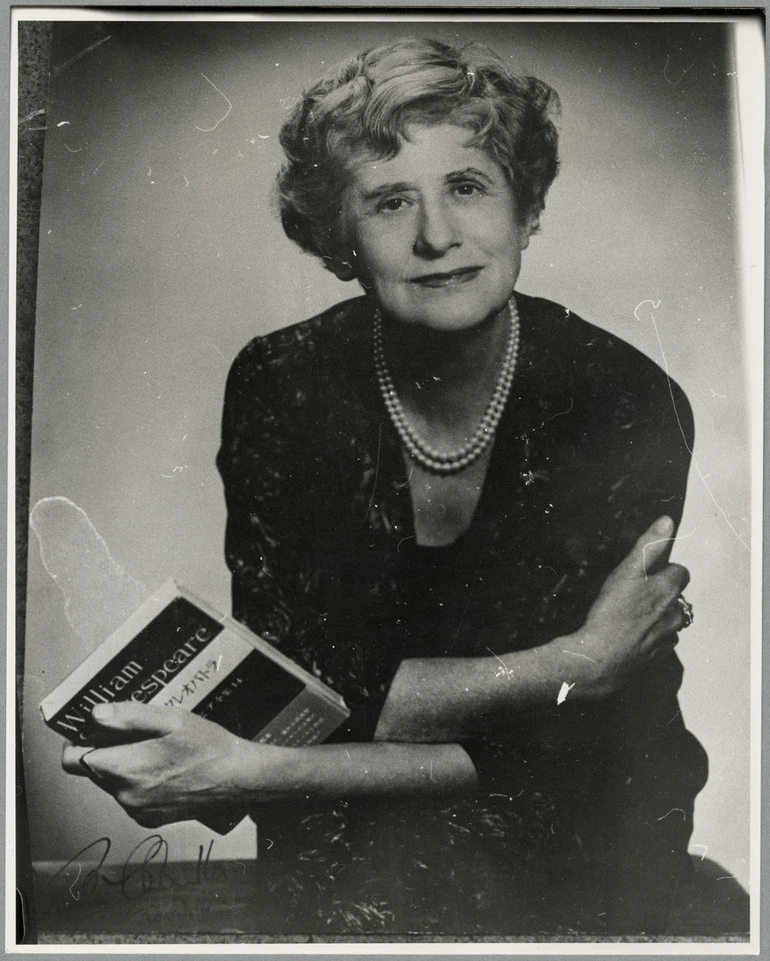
[(676, 576), (665, 645), (71, 759), (144, 815), (121, 764), (669, 624), (87, 762), (649, 549), (92, 763), (130, 717), (150, 821)]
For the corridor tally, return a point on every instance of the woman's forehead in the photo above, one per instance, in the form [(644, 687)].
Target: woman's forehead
[(426, 151)]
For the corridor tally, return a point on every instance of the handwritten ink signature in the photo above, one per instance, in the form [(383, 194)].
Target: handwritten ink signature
[(145, 870)]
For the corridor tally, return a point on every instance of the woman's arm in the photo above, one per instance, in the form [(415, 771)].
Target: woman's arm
[(178, 766), (633, 619)]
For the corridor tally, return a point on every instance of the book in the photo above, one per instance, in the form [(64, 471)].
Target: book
[(177, 651)]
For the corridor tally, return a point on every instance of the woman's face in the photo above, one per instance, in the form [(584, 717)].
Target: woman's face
[(435, 230)]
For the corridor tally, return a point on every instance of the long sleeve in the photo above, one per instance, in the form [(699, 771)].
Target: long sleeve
[(254, 461), (298, 458)]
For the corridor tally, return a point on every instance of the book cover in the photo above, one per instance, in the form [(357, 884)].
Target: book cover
[(176, 651)]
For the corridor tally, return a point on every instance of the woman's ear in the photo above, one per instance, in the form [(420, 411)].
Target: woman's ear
[(339, 243), (342, 261), (344, 269)]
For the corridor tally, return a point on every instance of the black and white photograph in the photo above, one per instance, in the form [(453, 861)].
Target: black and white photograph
[(388, 479)]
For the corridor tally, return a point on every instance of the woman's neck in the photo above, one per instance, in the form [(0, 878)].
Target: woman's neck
[(445, 378), (456, 357)]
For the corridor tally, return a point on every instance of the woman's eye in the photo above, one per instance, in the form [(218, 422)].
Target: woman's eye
[(467, 189), (392, 204)]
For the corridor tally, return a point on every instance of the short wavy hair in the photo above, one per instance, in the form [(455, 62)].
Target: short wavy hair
[(366, 105)]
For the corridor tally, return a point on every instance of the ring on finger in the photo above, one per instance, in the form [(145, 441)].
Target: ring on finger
[(687, 610), (84, 763)]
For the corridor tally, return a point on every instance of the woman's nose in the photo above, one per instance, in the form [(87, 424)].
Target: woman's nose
[(437, 231)]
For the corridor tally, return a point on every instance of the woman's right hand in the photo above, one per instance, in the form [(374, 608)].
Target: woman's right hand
[(635, 617)]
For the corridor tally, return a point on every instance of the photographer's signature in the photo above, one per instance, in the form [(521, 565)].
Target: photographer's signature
[(146, 870)]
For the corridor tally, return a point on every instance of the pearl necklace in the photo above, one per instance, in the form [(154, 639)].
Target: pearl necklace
[(419, 450)]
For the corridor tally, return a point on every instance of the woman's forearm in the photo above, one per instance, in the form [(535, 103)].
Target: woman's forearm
[(351, 770), (450, 699), (171, 765), (633, 620)]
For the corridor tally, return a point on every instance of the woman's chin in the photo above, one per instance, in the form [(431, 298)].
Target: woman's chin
[(451, 325), (448, 317), (449, 308)]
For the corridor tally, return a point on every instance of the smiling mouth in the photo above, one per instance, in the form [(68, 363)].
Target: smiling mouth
[(449, 278)]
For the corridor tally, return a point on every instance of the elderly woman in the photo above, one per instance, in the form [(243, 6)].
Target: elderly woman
[(454, 503)]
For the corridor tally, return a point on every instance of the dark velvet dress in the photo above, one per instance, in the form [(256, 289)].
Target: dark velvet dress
[(584, 810)]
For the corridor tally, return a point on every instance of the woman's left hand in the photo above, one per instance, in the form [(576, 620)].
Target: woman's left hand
[(176, 766)]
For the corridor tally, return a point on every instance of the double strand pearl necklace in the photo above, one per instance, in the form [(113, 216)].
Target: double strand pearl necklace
[(419, 450)]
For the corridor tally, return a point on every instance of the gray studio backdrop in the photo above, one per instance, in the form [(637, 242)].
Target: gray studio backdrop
[(161, 255)]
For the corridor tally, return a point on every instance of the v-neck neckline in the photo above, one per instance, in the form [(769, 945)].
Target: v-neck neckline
[(391, 462)]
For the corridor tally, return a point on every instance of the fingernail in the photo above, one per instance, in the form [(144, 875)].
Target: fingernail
[(664, 526), (102, 712)]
